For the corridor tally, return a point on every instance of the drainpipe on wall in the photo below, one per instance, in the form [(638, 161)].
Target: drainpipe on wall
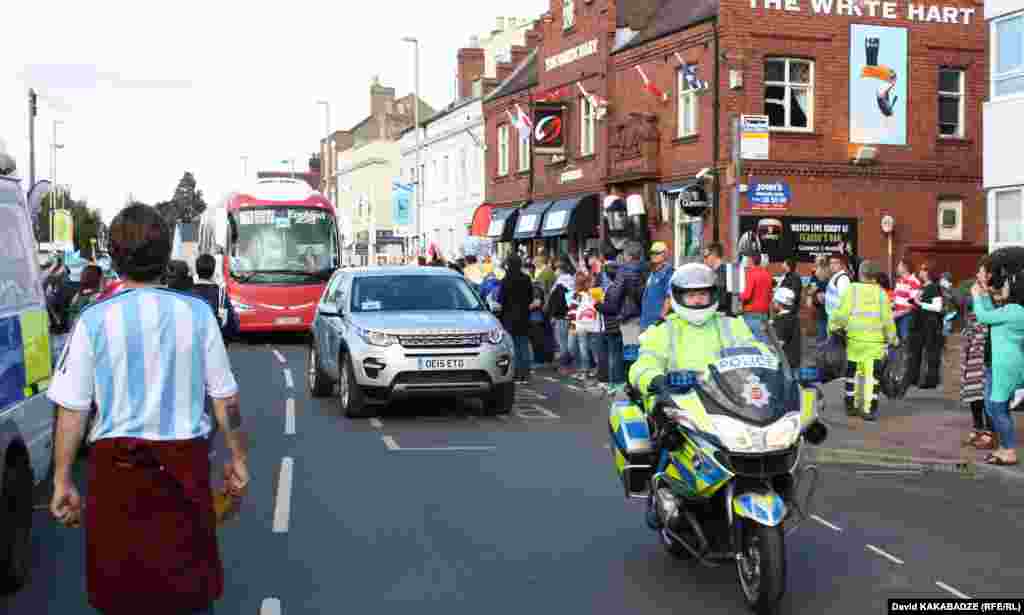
[(716, 210)]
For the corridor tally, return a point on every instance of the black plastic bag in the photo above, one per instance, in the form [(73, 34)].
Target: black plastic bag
[(832, 357), (895, 373)]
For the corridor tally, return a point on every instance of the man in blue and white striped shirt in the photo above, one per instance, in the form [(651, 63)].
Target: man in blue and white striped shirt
[(148, 356)]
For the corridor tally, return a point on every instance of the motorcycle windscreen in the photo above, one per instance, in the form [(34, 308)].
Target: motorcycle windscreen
[(751, 383)]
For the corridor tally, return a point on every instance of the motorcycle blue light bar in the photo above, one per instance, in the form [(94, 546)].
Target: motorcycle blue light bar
[(810, 374), (630, 352), (681, 380)]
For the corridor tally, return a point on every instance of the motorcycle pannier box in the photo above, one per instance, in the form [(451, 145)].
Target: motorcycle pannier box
[(631, 447)]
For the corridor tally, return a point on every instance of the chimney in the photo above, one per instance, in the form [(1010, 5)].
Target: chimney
[(382, 99), (503, 70), (501, 25), (519, 54), (471, 67)]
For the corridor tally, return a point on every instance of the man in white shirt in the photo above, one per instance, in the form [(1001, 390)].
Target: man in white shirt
[(148, 356)]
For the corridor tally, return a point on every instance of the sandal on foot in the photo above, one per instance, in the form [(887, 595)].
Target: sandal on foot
[(986, 441), (995, 460), (969, 440)]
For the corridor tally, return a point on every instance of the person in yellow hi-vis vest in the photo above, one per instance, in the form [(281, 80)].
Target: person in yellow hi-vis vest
[(866, 316)]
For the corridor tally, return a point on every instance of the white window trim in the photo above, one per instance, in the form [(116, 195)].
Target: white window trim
[(524, 153), (956, 204), (993, 241), (994, 54), (568, 14), (961, 130), (686, 95), (785, 102), (502, 150), (588, 127)]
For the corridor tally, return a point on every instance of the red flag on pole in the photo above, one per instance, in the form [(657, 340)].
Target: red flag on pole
[(650, 87)]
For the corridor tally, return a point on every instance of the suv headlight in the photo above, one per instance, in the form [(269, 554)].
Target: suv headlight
[(376, 338), (494, 336)]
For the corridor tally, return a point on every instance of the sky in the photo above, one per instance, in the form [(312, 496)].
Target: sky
[(147, 90)]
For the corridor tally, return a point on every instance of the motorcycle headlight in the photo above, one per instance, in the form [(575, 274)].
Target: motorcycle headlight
[(734, 435), (494, 336), (782, 434), (376, 338)]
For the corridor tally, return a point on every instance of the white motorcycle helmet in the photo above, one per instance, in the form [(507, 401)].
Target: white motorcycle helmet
[(687, 279)]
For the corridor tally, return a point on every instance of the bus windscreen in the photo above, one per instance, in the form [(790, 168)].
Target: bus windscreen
[(280, 245)]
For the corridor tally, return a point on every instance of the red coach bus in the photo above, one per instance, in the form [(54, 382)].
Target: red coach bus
[(276, 246)]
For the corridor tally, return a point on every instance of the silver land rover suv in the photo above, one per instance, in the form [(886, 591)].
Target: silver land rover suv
[(386, 333)]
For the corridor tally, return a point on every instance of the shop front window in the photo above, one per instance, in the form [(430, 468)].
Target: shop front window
[(789, 93), (1009, 215)]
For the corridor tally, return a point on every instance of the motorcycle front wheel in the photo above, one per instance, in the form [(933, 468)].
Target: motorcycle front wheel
[(762, 567)]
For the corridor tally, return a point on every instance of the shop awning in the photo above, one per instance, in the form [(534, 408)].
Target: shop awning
[(503, 221), (481, 221), (678, 186), (529, 220), (574, 216)]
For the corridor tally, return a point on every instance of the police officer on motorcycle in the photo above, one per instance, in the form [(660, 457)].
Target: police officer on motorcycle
[(690, 337)]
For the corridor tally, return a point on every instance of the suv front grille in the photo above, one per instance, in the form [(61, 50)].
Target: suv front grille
[(443, 377), (459, 340)]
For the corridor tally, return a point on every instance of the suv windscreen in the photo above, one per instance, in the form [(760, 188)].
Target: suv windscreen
[(413, 293)]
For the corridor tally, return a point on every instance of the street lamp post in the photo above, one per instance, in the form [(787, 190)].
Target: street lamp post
[(54, 146), (416, 119), (245, 167)]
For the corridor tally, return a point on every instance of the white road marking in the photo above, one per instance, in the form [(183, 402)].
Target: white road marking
[(375, 422), (289, 417), (953, 591), (528, 394), (270, 606), (575, 388), (288, 379), (502, 417), (392, 445), (550, 379), (533, 411), (280, 357), (283, 505), (891, 558), (826, 523)]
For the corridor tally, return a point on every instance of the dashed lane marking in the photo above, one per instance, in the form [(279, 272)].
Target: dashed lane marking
[(826, 523), (283, 505), (280, 357), (550, 379), (288, 379), (533, 411), (574, 388), (289, 417), (953, 590), (270, 606), (375, 422), (888, 556)]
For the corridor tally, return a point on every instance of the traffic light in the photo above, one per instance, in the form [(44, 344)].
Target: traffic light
[(32, 103)]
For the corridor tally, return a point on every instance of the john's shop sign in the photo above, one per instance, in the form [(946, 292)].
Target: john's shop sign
[(768, 195), (804, 238)]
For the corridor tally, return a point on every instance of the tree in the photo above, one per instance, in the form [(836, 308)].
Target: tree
[(186, 205)]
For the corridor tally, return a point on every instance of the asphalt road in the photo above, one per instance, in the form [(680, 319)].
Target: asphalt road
[(433, 508)]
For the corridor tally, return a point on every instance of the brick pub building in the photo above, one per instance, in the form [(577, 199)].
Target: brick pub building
[(873, 109)]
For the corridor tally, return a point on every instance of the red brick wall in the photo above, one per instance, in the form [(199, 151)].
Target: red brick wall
[(513, 187)]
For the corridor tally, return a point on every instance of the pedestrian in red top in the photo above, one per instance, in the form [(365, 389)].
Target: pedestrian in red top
[(907, 291), (757, 298)]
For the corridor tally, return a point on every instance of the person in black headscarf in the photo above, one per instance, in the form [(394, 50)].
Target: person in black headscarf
[(516, 295)]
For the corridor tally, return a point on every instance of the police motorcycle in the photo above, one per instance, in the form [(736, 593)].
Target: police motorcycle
[(718, 461)]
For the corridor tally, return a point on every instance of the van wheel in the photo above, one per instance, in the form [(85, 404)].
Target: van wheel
[(501, 399), (350, 395), (15, 526)]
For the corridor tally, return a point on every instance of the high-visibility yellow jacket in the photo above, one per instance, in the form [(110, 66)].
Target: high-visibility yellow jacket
[(676, 345), (866, 315)]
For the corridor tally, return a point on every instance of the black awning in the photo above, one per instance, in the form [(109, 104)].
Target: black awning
[(530, 219), (677, 186), (578, 215), (503, 221)]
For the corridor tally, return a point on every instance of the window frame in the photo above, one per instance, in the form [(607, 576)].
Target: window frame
[(995, 77), (686, 95), (588, 120), (523, 153), (961, 96), (568, 14), (503, 149), (993, 226), (809, 86), (946, 203)]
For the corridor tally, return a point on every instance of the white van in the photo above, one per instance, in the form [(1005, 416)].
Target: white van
[(27, 353)]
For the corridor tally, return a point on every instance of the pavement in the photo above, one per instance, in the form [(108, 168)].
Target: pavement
[(433, 508)]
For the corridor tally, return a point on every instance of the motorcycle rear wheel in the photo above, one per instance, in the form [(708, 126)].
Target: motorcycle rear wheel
[(762, 570)]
